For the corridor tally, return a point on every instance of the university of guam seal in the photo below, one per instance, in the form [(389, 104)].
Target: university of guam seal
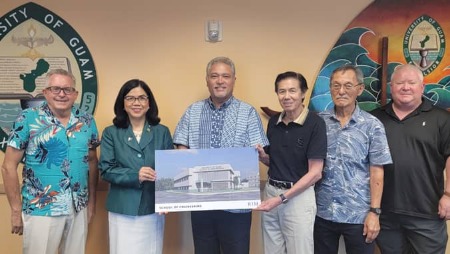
[(424, 43), (34, 40), (408, 35)]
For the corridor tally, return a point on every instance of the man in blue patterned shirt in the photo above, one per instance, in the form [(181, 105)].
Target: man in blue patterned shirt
[(60, 171), (349, 194), (220, 121)]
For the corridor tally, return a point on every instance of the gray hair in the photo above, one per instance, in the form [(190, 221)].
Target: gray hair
[(348, 67), (221, 59), (411, 67), (60, 72)]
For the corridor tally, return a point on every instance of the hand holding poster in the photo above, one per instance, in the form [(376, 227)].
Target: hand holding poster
[(207, 179)]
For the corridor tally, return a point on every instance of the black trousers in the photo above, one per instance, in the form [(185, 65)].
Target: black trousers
[(219, 231), (327, 234), (404, 234)]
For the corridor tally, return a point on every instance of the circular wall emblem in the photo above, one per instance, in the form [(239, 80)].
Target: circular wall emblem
[(413, 34), (424, 44), (34, 40)]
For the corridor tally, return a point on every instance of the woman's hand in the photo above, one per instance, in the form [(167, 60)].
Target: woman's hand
[(147, 174)]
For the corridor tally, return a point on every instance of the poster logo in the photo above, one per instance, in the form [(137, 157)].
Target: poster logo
[(424, 44), (34, 40)]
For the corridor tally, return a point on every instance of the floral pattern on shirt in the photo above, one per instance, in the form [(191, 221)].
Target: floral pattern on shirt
[(343, 193), (55, 174)]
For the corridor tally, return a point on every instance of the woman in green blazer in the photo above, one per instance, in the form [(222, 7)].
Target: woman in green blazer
[(127, 162)]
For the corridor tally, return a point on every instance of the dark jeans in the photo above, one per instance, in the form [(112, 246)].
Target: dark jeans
[(223, 232), (409, 234), (327, 234)]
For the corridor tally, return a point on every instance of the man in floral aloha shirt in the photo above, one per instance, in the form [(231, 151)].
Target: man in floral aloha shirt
[(59, 173)]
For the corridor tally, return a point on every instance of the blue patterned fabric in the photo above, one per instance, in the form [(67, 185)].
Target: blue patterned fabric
[(343, 194), (217, 119), (234, 124), (241, 126), (55, 174)]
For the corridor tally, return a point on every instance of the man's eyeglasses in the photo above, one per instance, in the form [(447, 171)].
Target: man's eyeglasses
[(347, 86), (132, 99), (58, 89)]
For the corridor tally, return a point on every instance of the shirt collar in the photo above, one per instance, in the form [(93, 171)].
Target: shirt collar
[(300, 119), (426, 105), (45, 109), (356, 113), (224, 105)]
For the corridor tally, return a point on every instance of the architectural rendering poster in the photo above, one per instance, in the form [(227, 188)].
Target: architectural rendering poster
[(207, 179)]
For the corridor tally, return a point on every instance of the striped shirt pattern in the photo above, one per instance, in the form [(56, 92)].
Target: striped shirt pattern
[(234, 124), (241, 127)]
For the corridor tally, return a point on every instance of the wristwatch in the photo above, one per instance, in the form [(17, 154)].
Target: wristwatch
[(376, 211), (284, 199)]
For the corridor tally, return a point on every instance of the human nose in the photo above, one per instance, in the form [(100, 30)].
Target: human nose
[(342, 89), (285, 96), (404, 86), (407, 86), (136, 101)]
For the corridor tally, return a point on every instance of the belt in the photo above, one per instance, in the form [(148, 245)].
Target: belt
[(281, 184)]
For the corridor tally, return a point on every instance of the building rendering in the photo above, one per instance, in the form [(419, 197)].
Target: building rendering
[(208, 178)]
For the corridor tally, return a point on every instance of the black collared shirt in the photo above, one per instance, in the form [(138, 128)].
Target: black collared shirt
[(420, 146), (292, 145)]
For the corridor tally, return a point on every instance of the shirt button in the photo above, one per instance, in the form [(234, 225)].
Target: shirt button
[(139, 155)]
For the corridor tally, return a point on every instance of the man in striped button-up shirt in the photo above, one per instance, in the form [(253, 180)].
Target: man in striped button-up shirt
[(217, 122)]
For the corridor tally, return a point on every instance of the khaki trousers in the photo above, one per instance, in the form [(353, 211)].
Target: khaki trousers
[(288, 228), (58, 234)]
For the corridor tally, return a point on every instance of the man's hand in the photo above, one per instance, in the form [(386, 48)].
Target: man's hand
[(12, 187), (444, 207), (263, 157), (371, 227), (269, 204), (16, 223)]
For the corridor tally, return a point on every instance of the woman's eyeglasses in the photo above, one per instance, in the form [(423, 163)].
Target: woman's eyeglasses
[(132, 99)]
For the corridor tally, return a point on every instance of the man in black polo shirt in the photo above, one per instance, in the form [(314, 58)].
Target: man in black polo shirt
[(298, 146), (416, 202)]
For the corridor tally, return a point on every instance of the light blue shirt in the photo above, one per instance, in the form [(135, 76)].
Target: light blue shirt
[(343, 193), (239, 125), (234, 124), (55, 174)]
